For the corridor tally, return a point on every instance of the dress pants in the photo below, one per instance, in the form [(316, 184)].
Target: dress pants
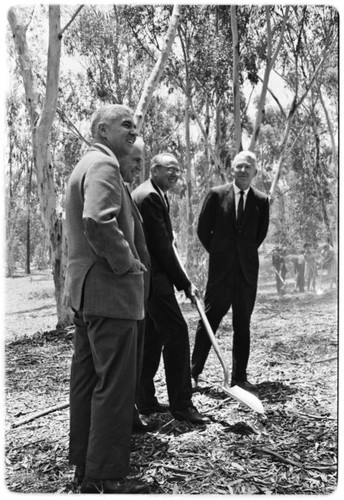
[(166, 331), (231, 290), (102, 395), (140, 351)]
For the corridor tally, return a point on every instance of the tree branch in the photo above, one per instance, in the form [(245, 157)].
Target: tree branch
[(71, 20), (39, 414)]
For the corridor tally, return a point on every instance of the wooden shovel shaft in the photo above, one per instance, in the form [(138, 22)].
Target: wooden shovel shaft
[(207, 327), (213, 340)]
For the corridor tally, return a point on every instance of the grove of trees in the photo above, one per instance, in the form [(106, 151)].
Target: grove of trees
[(205, 81)]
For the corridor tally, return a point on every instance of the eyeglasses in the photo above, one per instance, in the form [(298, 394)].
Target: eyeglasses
[(171, 170)]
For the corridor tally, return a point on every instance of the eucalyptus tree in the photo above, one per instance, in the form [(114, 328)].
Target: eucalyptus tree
[(304, 170), (272, 49), (113, 77), (41, 103), (309, 36), (156, 73), (105, 40)]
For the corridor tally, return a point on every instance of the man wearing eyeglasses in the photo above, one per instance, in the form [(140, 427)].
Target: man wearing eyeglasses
[(166, 331)]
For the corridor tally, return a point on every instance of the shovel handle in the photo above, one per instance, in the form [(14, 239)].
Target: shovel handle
[(212, 339), (206, 324)]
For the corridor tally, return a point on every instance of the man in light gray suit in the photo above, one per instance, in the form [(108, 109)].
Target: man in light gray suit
[(105, 289)]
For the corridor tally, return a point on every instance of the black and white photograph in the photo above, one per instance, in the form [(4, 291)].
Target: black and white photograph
[(171, 248)]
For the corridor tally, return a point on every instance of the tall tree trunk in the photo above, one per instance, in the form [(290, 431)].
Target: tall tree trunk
[(189, 212), (330, 129), (236, 85), (28, 216), (270, 61), (206, 163), (212, 152), (153, 80), (317, 174), (41, 123)]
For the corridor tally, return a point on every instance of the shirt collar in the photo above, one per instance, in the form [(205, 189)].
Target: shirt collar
[(160, 191), (106, 149), (237, 190)]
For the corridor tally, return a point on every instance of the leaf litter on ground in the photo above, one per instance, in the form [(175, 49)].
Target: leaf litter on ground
[(291, 449)]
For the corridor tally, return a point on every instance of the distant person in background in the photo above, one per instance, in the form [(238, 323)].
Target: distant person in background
[(329, 263), (279, 265), (310, 267), (105, 289), (232, 225), (299, 270), (166, 330)]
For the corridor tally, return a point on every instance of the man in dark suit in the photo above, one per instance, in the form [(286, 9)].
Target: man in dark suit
[(105, 288), (130, 167), (165, 325), (232, 225)]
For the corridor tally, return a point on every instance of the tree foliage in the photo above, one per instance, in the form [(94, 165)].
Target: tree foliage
[(108, 54)]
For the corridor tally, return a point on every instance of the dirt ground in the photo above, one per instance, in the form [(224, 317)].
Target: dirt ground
[(29, 304), (291, 449)]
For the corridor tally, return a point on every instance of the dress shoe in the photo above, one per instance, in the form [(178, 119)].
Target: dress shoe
[(79, 475), (191, 415), (198, 383), (113, 486), (246, 385), (140, 428), (156, 408), (194, 382)]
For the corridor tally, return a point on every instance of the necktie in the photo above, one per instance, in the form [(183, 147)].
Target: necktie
[(240, 208)]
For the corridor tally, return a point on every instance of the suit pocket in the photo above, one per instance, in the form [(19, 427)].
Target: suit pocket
[(114, 295), (134, 273)]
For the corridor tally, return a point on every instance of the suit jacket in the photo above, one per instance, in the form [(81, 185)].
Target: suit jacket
[(104, 236), (224, 240), (166, 271)]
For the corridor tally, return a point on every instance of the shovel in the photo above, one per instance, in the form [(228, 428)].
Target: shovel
[(236, 392)]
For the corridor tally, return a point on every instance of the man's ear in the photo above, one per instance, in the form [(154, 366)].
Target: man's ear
[(102, 129)]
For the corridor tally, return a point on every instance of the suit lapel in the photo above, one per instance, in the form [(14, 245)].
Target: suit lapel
[(231, 203), (159, 193), (166, 214)]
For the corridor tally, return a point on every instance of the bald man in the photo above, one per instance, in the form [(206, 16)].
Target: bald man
[(166, 330), (232, 225), (105, 289)]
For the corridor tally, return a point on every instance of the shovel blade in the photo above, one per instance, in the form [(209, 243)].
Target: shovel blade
[(245, 397)]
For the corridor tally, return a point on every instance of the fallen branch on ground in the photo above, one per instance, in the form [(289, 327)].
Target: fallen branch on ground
[(324, 360), (39, 414), (288, 461)]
